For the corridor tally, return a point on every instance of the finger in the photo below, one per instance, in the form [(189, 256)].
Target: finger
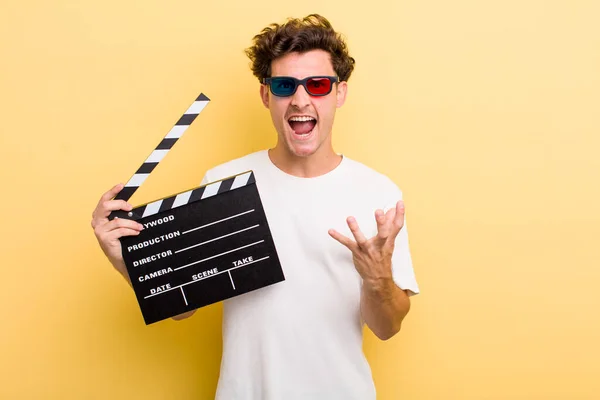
[(112, 192), (105, 208), (399, 217), (108, 196), (349, 243), (121, 232), (113, 205), (119, 223), (361, 240), (384, 229), (394, 220), (380, 217)]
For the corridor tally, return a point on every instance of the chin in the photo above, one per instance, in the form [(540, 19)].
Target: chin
[(299, 151), (303, 149), (304, 152)]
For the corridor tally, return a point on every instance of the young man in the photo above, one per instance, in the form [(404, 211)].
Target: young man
[(338, 227)]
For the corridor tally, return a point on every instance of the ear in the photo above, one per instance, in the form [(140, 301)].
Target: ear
[(342, 90), (264, 95)]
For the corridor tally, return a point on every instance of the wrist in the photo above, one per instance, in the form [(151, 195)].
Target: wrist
[(119, 265), (383, 287)]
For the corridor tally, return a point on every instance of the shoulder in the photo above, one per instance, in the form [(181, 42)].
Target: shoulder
[(371, 179), (233, 167)]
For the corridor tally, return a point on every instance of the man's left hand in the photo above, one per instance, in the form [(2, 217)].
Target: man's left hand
[(373, 257)]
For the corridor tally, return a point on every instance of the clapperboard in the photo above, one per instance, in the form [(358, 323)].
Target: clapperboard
[(200, 246)]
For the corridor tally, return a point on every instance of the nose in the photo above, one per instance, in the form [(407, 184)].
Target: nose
[(301, 98)]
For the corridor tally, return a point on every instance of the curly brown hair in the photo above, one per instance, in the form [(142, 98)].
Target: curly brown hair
[(299, 35)]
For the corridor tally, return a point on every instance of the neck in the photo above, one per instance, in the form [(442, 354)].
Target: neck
[(321, 162)]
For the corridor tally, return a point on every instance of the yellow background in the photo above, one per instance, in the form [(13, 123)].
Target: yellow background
[(486, 114)]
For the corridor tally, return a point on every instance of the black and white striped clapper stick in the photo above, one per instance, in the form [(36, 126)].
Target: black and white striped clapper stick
[(163, 148), (199, 246)]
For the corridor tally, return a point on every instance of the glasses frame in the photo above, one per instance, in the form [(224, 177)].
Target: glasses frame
[(303, 82)]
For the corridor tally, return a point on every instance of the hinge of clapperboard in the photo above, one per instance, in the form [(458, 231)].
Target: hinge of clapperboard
[(155, 158)]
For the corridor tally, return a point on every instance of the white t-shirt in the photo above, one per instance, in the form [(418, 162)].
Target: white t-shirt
[(302, 338)]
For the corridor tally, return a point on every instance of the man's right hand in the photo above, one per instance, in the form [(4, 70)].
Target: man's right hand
[(108, 232)]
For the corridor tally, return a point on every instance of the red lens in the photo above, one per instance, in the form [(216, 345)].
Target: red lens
[(318, 86)]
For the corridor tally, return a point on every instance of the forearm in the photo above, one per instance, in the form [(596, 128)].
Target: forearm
[(184, 315), (122, 269), (383, 307)]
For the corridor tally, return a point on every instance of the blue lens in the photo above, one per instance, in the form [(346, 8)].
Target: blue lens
[(283, 86)]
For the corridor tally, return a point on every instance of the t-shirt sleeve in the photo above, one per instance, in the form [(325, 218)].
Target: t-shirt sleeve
[(402, 266)]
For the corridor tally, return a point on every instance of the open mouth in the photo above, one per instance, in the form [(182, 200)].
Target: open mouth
[(302, 126)]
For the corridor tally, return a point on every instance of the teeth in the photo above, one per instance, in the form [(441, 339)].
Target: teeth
[(302, 119)]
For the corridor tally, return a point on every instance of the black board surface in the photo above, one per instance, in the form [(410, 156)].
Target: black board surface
[(200, 247)]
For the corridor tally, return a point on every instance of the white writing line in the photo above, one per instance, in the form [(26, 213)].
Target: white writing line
[(220, 237), (218, 255), (210, 276), (231, 279), (186, 303), (216, 222)]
